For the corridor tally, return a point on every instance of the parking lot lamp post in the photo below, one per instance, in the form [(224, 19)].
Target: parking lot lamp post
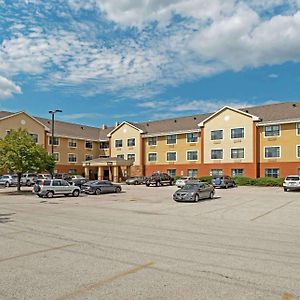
[(53, 112)]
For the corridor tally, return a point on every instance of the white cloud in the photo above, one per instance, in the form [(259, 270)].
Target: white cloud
[(273, 75), (8, 88)]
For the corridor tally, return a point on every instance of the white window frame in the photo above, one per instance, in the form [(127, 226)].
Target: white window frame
[(211, 173), (237, 148), (58, 154), (72, 162), (131, 154), (238, 137), (197, 133), (192, 151), (116, 145), (217, 158), (272, 157), (272, 136), (167, 139), (88, 155), (172, 170), (272, 169), (121, 155), (148, 157), (217, 139), (72, 147), (297, 151), (237, 169), (86, 147), (167, 156), (50, 137), (298, 123), (103, 148), (152, 137), (193, 170), (133, 138)]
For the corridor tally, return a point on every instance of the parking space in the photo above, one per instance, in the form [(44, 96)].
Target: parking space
[(140, 244)]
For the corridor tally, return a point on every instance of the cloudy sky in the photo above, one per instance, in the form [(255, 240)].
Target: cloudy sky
[(102, 61)]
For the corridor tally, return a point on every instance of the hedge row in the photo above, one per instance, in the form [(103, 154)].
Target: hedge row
[(263, 181)]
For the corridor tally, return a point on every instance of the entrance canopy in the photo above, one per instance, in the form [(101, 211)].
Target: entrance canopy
[(111, 168)]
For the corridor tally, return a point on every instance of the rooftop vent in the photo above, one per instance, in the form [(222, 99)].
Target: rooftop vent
[(104, 126), (246, 110), (294, 104), (175, 120), (117, 124), (147, 124), (82, 127), (195, 118)]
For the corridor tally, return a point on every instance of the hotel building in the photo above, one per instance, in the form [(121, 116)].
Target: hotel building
[(254, 142)]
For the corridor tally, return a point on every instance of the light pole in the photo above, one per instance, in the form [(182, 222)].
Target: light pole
[(53, 112)]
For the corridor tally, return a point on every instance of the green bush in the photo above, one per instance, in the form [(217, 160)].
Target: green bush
[(206, 179), (262, 181), (240, 180)]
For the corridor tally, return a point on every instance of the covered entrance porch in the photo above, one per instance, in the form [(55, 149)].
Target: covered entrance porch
[(110, 168)]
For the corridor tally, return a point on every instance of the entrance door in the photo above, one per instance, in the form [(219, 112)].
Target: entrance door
[(106, 174)]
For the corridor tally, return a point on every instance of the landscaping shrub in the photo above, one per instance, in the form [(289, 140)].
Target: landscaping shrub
[(206, 179), (263, 181)]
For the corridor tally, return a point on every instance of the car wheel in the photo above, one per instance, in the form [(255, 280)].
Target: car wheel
[(196, 198), (211, 195), (136, 183), (28, 183), (98, 192), (226, 186), (118, 190), (7, 184), (50, 194), (75, 193), (285, 189), (171, 183), (158, 183), (147, 184), (41, 196)]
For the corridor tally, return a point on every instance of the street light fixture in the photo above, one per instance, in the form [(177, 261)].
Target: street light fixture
[(53, 112)]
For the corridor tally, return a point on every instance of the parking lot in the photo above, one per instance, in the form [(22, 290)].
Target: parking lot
[(140, 244)]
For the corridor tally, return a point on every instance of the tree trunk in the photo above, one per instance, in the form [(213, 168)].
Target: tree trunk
[(19, 182)]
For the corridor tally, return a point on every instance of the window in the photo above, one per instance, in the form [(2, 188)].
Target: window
[(131, 142), (34, 137), (237, 133), (272, 152), (103, 156), (217, 154), (216, 172), (88, 157), (272, 130), (55, 141), (171, 172), (192, 137), (298, 151), (171, 156), (192, 155), (131, 157), (56, 156), (237, 153), (88, 144), (237, 172), (298, 128), (272, 173), (118, 143), (120, 156), (152, 141), (152, 156), (72, 171), (171, 139), (192, 173), (216, 135), (72, 158), (104, 145), (72, 143)]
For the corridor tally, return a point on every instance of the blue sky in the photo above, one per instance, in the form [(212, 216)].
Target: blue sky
[(103, 61)]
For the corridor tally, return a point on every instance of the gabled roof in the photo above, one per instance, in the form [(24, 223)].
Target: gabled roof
[(135, 126), (10, 115), (254, 118)]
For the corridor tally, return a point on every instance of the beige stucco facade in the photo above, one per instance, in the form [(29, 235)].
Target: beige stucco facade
[(23, 121), (226, 120), (123, 133)]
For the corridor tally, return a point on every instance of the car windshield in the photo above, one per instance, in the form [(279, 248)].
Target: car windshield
[(292, 178), (191, 186)]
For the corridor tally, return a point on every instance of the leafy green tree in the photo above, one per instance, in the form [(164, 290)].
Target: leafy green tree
[(20, 154)]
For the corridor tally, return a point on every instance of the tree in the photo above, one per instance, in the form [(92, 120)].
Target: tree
[(20, 154)]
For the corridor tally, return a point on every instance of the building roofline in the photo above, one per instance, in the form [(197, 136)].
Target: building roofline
[(121, 124)]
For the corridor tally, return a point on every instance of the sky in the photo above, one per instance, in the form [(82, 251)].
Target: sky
[(102, 61)]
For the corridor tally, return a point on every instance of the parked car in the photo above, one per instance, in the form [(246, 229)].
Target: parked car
[(98, 187), (50, 187), (223, 181), (78, 182), (159, 179), (194, 191), (28, 179), (64, 176), (291, 182), (135, 180), (43, 176), (180, 182), (75, 176), (9, 180)]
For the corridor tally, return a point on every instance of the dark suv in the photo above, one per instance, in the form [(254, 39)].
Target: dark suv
[(159, 179), (222, 181)]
